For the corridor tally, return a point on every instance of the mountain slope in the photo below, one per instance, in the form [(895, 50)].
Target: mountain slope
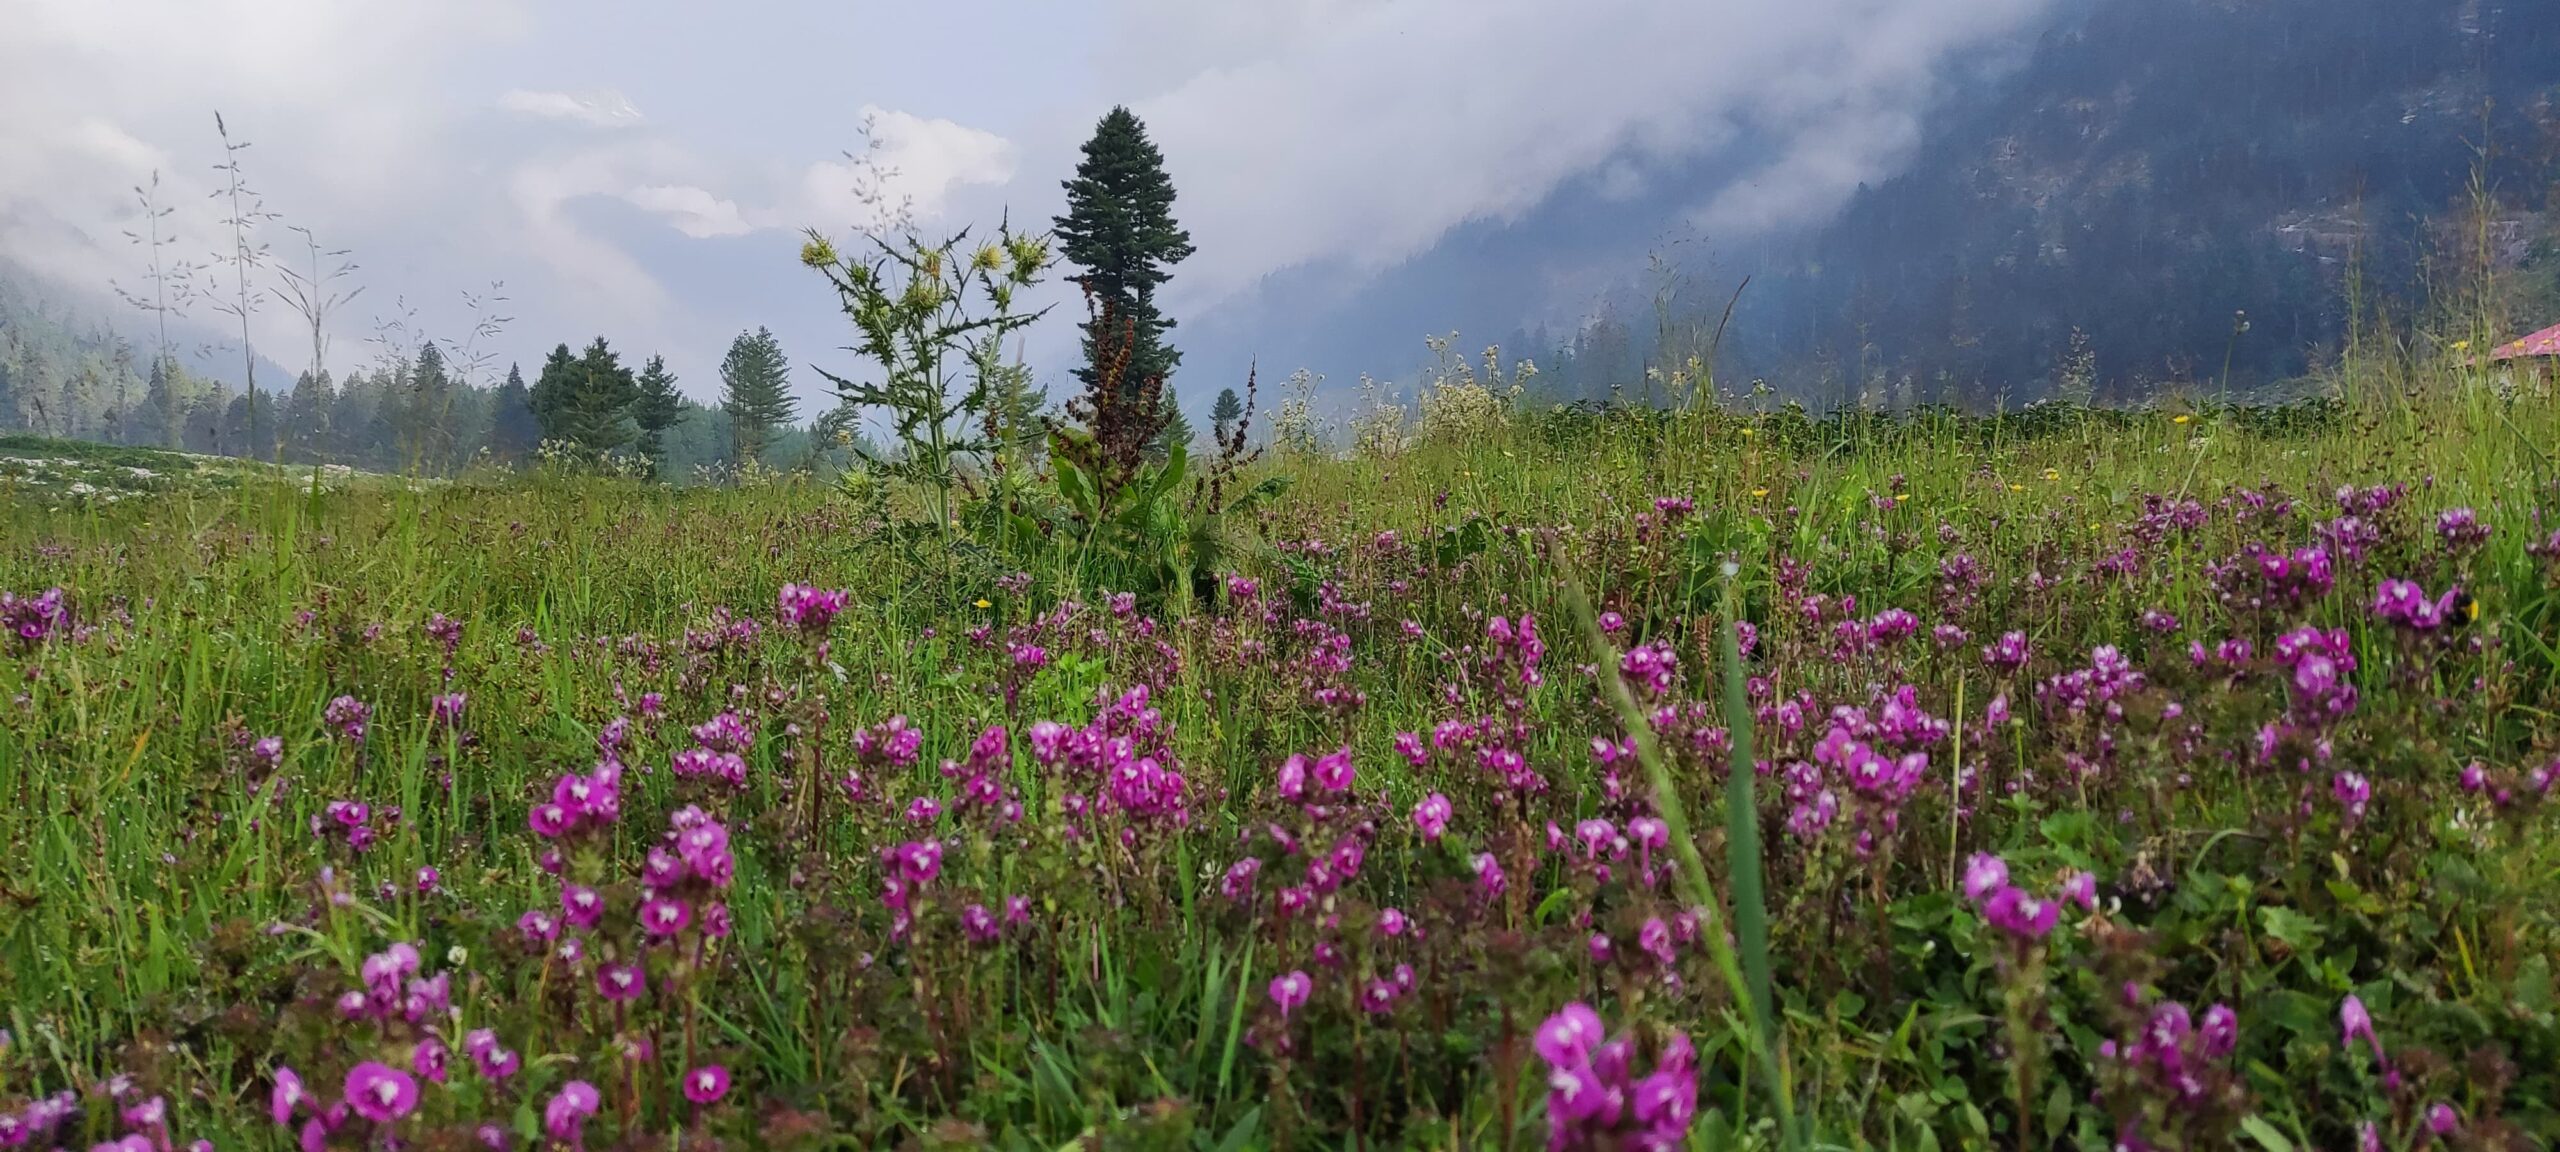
[(2159, 167)]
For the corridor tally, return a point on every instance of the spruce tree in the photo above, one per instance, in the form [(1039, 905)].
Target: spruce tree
[(1228, 409), (656, 410), (1119, 229), (1177, 427), (755, 390), (596, 413), (551, 389), (514, 433), (426, 412)]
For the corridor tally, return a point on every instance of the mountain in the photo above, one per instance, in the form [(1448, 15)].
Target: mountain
[(2169, 186)]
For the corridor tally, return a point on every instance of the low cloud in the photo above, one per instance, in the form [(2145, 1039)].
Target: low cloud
[(1357, 134), (922, 163), (604, 108)]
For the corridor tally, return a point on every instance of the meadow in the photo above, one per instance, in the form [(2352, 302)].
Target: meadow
[(2163, 779)]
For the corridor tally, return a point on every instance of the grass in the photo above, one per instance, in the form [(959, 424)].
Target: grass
[(169, 911)]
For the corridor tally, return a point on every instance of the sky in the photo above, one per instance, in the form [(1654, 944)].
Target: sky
[(1354, 173)]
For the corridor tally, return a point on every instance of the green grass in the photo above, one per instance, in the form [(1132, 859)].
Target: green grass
[(143, 874)]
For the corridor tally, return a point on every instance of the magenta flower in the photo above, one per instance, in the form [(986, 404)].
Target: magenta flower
[(447, 709), (621, 981), (581, 905), (348, 716), (429, 1058), (2025, 916), (1431, 817), (1568, 1037), (2221, 1031), (287, 1096), (664, 917), (1489, 879), (2354, 793), (808, 608), (707, 1084), (1290, 991), (380, 1093), (2081, 888), (566, 1115), (919, 862), (1984, 875), (2355, 1023), (1333, 771)]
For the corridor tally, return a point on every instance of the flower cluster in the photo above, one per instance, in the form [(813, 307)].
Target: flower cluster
[(1595, 1100), (810, 609), (1121, 762), (30, 619), (2022, 915), (2404, 603), (718, 752), (348, 717)]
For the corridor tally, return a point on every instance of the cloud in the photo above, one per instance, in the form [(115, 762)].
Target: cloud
[(603, 108), (1357, 134), (694, 211), (922, 163)]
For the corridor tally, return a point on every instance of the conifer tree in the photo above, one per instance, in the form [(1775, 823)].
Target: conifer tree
[(596, 412), (1119, 229), (755, 391), (550, 394), (656, 410), (514, 433)]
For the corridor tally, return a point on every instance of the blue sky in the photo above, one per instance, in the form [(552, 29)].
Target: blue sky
[(641, 170)]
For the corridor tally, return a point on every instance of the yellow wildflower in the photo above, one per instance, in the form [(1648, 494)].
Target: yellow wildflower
[(2181, 418), (983, 602), (2053, 473)]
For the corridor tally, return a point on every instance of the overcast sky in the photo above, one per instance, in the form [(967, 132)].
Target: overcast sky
[(641, 169)]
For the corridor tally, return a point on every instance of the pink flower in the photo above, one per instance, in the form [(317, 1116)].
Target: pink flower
[(1568, 1037), (583, 906), (1984, 875), (2081, 889), (664, 917), (2355, 1022), (428, 1059), (566, 1115), (1289, 992), (2022, 915), (288, 1095), (380, 1093), (1333, 771), (621, 981), (1431, 817), (707, 1084)]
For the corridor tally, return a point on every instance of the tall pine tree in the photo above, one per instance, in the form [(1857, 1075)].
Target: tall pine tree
[(656, 410), (755, 390), (514, 433), (551, 390), (1119, 229), (596, 413)]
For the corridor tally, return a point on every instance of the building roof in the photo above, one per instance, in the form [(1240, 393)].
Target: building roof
[(2543, 343)]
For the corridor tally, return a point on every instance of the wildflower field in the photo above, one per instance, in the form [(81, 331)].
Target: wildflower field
[(1688, 780)]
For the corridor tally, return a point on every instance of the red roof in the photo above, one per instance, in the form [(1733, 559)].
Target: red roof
[(2543, 343)]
